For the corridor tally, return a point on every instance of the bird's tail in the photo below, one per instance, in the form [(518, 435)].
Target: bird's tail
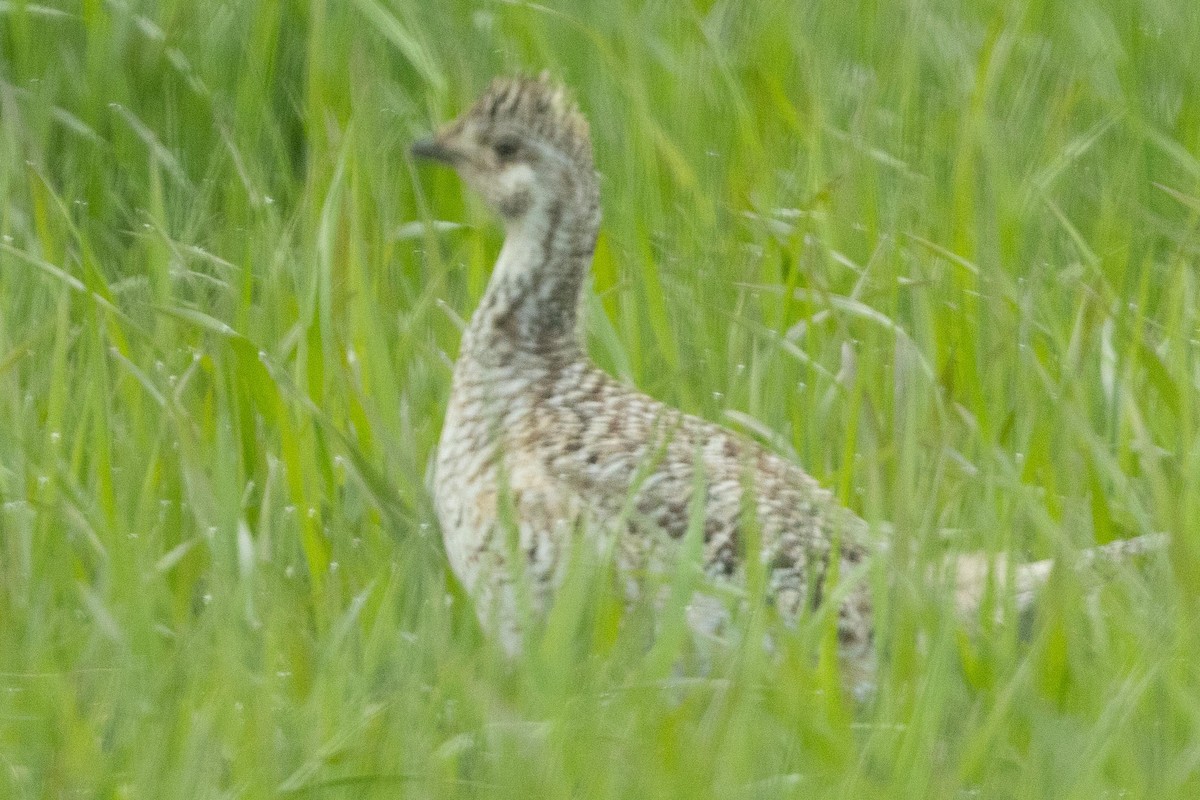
[(973, 570)]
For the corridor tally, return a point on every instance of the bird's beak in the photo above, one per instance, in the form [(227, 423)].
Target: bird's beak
[(434, 150)]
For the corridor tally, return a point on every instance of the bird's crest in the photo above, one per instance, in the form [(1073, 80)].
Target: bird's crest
[(540, 105)]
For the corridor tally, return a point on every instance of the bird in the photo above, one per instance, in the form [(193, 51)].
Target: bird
[(542, 451)]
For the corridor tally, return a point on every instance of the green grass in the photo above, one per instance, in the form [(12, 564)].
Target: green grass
[(943, 253)]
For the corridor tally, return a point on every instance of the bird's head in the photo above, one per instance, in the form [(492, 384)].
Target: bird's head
[(520, 147)]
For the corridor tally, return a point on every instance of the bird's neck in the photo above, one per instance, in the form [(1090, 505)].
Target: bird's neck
[(530, 308)]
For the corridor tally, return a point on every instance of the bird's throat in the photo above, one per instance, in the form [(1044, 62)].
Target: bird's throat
[(530, 308)]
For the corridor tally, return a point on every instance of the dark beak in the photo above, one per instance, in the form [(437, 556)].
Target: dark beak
[(433, 150)]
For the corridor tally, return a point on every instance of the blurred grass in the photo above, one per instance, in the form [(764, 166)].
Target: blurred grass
[(942, 253)]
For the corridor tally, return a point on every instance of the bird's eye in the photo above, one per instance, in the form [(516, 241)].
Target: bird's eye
[(507, 147)]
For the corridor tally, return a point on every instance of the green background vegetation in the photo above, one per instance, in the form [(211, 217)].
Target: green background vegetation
[(943, 253)]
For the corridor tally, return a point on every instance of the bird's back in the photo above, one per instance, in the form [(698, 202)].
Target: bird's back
[(561, 447)]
